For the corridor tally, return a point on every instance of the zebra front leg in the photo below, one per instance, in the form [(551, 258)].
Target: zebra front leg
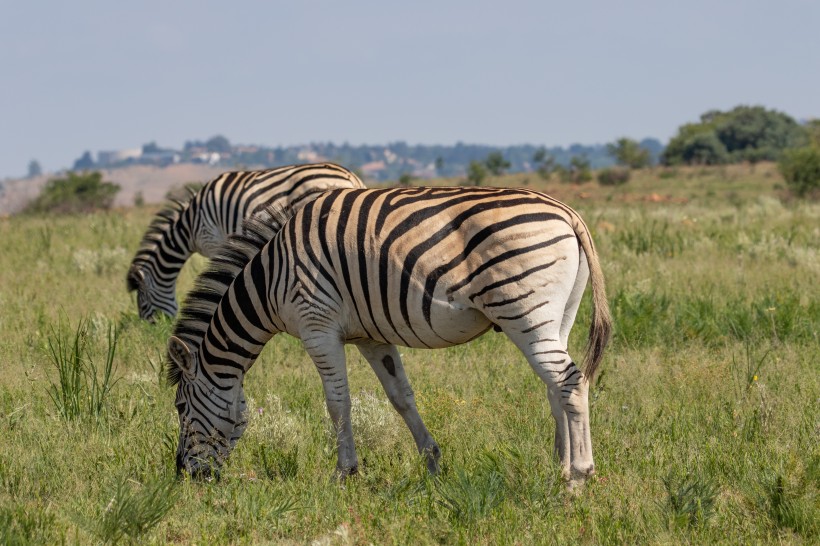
[(328, 354), (386, 363)]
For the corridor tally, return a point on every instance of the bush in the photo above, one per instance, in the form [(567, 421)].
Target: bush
[(629, 153), (613, 176), (74, 194), (745, 133), (801, 169), (704, 149), (496, 164), (406, 180), (578, 171), (476, 173)]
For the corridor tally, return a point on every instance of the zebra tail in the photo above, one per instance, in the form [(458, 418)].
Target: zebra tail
[(600, 329)]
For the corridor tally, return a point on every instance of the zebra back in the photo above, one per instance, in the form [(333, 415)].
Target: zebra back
[(202, 223)]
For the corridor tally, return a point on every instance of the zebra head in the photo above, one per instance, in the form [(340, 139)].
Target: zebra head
[(212, 417), (152, 297)]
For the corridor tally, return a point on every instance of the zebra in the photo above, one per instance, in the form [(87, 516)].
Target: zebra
[(217, 210), (417, 267)]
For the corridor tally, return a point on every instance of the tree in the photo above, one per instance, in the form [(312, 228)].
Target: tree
[(75, 193), (578, 171), (476, 173), (84, 163), (218, 144), (704, 149), (34, 168), (496, 164), (405, 179), (151, 148), (745, 133), (800, 168), (439, 165), (544, 163), (628, 153), (764, 133), (813, 130), (655, 148)]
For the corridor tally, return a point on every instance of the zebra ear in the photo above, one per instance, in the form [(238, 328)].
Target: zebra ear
[(182, 356)]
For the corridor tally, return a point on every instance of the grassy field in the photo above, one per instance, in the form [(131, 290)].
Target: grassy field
[(705, 416)]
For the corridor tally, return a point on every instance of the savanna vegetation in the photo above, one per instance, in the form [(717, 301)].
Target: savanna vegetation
[(75, 193), (704, 414)]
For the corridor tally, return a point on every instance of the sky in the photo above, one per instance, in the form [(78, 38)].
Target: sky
[(102, 75)]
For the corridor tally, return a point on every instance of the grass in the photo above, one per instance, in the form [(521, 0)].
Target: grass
[(82, 390), (704, 416)]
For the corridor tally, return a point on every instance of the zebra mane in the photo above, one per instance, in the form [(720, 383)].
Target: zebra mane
[(202, 301), (157, 229)]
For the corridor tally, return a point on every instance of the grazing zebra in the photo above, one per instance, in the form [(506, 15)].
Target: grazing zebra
[(212, 214), (419, 267)]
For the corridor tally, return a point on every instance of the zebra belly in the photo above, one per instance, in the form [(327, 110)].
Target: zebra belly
[(453, 324)]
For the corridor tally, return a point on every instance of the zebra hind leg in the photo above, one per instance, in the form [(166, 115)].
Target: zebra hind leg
[(386, 363), (327, 353), (567, 389), (562, 443)]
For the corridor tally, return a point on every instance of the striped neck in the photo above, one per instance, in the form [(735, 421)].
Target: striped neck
[(227, 317), (243, 322), (167, 245)]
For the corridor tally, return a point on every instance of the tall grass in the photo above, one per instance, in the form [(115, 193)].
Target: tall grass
[(647, 318), (83, 388), (469, 496), (133, 510), (690, 501), (27, 525), (704, 414), (655, 238)]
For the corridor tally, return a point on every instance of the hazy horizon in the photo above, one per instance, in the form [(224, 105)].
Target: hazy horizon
[(99, 76)]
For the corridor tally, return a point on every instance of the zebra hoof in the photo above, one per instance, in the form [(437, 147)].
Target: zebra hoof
[(343, 474), (578, 477), (433, 454)]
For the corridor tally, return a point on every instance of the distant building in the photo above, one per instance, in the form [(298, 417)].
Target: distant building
[(109, 158), (162, 158), (209, 158), (306, 154)]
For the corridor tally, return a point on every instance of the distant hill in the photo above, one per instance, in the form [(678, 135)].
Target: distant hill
[(149, 172), (148, 182), (376, 162)]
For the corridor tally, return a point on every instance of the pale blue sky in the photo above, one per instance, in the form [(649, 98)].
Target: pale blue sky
[(91, 75)]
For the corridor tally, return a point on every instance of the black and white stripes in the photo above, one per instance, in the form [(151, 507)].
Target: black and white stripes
[(420, 267), (216, 211)]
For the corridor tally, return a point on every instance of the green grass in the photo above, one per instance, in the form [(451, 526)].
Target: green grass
[(704, 415)]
